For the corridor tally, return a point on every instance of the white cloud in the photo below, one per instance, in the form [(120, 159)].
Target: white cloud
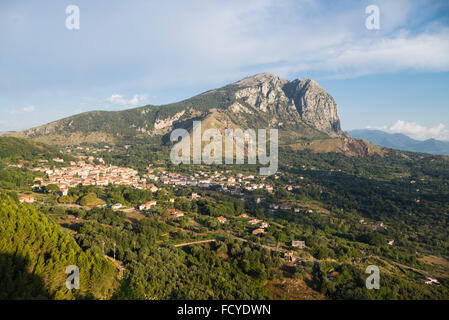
[(424, 52), (118, 99), (416, 131), (29, 109), (295, 38), (138, 98), (202, 44)]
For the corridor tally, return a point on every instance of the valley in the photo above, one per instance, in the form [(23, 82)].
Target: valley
[(102, 184)]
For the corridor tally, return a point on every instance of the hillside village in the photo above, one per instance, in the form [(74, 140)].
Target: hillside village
[(93, 171), (85, 173)]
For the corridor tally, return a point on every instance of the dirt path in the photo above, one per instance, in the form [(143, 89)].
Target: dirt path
[(193, 242)]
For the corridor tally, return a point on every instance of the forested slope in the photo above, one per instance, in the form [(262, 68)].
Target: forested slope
[(34, 254)]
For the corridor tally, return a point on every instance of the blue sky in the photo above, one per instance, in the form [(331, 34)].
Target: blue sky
[(133, 53)]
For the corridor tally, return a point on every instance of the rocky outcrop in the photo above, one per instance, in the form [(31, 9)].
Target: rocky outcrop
[(315, 106), (262, 91), (162, 126), (298, 100)]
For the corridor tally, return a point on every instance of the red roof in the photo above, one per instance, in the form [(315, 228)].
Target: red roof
[(257, 231)]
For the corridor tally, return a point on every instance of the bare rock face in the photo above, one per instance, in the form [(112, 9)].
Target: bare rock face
[(262, 91), (298, 100), (316, 107)]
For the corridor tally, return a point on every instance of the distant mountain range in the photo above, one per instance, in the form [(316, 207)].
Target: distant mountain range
[(401, 141)]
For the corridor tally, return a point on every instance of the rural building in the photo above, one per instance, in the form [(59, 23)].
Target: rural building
[(175, 213), (290, 256), (253, 221), (222, 219), (264, 225), (430, 281), (147, 205), (116, 206), (258, 231), (27, 199), (332, 275), (298, 244)]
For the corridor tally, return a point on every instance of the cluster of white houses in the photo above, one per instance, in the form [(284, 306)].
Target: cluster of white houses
[(82, 173), (204, 179), (86, 173)]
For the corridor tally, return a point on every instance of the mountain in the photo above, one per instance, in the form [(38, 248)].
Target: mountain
[(401, 142), (6, 132), (13, 149), (300, 109)]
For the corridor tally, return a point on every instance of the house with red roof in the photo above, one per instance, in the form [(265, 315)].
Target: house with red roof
[(27, 199), (222, 219), (147, 205)]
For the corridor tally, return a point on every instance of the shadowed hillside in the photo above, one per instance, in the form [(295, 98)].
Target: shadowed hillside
[(35, 253)]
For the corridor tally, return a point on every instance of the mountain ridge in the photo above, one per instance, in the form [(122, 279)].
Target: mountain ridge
[(301, 109), (401, 141)]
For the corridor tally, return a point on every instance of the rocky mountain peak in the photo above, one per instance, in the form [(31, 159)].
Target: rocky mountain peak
[(298, 100), (260, 79), (315, 106), (262, 91)]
